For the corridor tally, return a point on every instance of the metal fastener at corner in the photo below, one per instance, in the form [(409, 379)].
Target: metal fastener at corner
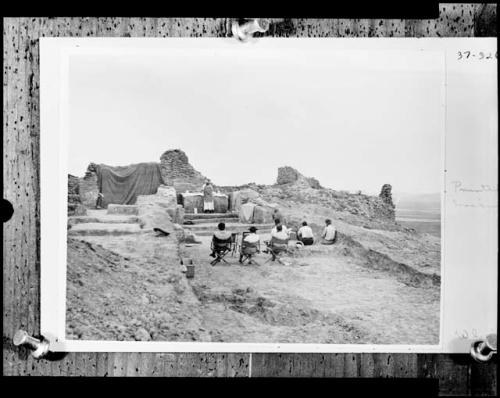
[(483, 350), (244, 29), (39, 347)]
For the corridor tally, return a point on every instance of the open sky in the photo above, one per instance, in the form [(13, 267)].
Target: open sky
[(355, 120)]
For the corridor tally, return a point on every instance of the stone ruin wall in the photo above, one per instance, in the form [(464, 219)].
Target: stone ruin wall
[(88, 187), (176, 171), (73, 194), (288, 175), (388, 210)]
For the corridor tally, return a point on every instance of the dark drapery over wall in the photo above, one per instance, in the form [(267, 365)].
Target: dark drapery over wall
[(122, 184)]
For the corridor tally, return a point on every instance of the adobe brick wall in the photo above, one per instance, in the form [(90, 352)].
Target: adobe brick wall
[(176, 171)]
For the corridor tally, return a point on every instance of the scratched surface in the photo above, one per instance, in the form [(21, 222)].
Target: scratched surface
[(21, 260)]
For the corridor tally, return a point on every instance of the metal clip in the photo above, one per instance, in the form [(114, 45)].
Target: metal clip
[(39, 347), (244, 29), (483, 350)]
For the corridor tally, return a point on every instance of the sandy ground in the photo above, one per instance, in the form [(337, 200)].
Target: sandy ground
[(323, 295), (129, 287), (326, 297)]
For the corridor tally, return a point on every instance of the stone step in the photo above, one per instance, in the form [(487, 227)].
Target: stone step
[(210, 233), (234, 227), (104, 229), (227, 220), (209, 216), (104, 218), (123, 209)]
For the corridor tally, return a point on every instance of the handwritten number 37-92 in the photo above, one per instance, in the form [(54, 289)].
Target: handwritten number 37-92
[(480, 55)]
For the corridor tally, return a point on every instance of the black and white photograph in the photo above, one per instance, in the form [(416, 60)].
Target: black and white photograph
[(309, 200), (282, 196)]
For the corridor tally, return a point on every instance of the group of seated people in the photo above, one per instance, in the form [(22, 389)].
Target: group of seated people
[(279, 232), (224, 240), (305, 233)]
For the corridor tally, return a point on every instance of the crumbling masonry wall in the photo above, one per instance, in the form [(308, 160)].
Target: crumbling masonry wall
[(289, 175), (73, 194), (177, 172), (88, 187)]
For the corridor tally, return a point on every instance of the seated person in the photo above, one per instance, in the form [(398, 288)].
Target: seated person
[(252, 239), (220, 235), (278, 243), (98, 204), (305, 234), (277, 223), (281, 232), (250, 244), (329, 234)]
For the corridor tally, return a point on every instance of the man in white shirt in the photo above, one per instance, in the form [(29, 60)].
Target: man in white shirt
[(252, 237), (277, 222), (329, 233), (305, 234)]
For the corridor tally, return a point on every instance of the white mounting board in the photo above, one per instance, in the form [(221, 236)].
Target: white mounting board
[(469, 195)]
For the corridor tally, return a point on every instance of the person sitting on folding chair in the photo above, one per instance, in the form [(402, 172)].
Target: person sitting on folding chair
[(222, 243), (278, 244), (284, 229), (250, 245)]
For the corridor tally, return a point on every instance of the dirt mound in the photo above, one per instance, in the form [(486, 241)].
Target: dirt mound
[(121, 296), (380, 261), (364, 208), (264, 310), (350, 248)]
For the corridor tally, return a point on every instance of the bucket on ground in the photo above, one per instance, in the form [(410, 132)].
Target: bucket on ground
[(188, 267)]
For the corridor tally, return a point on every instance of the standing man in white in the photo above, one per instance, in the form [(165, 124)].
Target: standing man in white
[(208, 197)]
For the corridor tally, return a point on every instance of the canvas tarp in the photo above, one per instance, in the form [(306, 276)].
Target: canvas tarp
[(246, 212), (122, 184)]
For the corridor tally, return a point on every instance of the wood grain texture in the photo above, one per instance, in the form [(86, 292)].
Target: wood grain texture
[(485, 20), (21, 261)]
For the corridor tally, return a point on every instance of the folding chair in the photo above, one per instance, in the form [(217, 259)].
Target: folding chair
[(234, 242), (276, 247), (221, 248), (248, 250)]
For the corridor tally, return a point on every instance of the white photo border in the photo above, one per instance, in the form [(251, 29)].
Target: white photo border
[(54, 55)]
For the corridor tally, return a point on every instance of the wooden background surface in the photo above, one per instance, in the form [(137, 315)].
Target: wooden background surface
[(457, 374)]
